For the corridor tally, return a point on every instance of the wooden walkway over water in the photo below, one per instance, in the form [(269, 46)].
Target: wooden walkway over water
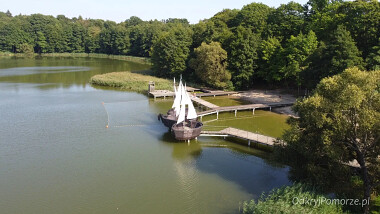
[(202, 102), (252, 107), (216, 93), (167, 93), (245, 135)]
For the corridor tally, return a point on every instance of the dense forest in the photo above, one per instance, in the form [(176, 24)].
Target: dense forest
[(293, 45)]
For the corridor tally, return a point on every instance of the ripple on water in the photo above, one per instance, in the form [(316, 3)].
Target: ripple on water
[(20, 71)]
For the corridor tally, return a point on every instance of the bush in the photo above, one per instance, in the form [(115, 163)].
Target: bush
[(284, 200)]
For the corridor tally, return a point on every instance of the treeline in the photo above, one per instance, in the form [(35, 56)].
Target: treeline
[(292, 45)]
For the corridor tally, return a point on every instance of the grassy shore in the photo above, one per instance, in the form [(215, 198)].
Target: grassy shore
[(93, 55), (130, 81)]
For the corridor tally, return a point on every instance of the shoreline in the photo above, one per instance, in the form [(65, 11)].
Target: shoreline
[(256, 96), (142, 60)]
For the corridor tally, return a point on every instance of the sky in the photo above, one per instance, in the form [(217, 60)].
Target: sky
[(120, 10)]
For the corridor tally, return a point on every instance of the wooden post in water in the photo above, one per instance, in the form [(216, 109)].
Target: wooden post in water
[(217, 115), (235, 112), (253, 111)]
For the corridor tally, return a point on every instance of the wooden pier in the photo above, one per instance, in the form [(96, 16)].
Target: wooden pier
[(167, 93), (161, 93), (252, 107), (202, 102), (216, 93), (245, 135)]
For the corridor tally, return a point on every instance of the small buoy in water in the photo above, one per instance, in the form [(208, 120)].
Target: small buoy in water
[(102, 103), (107, 126)]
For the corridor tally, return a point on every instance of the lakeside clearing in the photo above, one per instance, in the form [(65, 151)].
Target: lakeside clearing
[(130, 81), (270, 97)]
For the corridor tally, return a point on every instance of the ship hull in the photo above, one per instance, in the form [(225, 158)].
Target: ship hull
[(187, 130), (167, 120)]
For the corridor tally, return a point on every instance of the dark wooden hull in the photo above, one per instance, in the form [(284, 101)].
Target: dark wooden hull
[(187, 130), (167, 120)]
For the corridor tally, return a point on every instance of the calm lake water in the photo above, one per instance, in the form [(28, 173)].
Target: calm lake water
[(57, 156)]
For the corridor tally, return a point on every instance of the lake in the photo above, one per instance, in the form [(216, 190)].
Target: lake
[(57, 156)]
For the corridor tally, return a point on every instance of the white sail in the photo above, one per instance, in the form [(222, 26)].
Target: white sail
[(175, 89), (191, 113), (181, 116), (176, 99), (182, 111)]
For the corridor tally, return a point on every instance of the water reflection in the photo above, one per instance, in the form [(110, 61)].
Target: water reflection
[(64, 72), (22, 71), (234, 163)]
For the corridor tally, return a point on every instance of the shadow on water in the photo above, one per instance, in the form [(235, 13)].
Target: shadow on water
[(253, 174), (251, 169), (181, 150)]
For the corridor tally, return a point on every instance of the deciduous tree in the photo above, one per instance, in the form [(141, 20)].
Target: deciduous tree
[(210, 65), (339, 123)]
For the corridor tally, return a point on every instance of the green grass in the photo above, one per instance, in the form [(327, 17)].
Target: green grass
[(129, 81)]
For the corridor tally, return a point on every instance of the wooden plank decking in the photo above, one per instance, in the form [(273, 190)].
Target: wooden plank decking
[(167, 93), (203, 102), (241, 108), (216, 93), (162, 93), (245, 135)]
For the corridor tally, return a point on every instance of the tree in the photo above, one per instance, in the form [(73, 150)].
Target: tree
[(334, 57), (203, 31), (133, 21), (373, 59), (9, 14), (226, 16), (25, 48), (362, 19), (286, 63), (210, 65), (92, 37), (317, 5), (339, 123), (286, 20), (170, 51), (242, 56), (114, 39), (253, 16), (11, 35), (40, 43), (142, 37), (344, 52), (296, 53), (270, 60)]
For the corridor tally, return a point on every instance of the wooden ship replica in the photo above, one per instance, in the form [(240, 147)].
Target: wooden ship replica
[(182, 117), (171, 116)]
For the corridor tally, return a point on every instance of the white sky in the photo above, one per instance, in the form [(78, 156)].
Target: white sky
[(120, 10)]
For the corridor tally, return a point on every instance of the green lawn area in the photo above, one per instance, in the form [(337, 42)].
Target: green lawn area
[(131, 81)]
